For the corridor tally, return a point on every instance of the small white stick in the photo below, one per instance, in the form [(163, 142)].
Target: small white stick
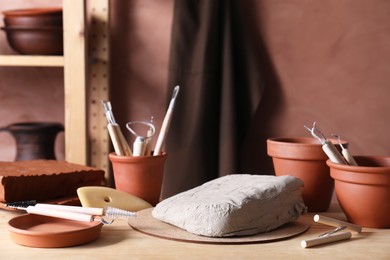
[(166, 123), (337, 223), (326, 239)]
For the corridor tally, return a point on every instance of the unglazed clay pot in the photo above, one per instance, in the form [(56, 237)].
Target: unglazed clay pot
[(35, 17), (141, 176), (35, 40), (34, 140), (304, 158), (364, 191)]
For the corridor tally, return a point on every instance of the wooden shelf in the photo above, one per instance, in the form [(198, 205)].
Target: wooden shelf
[(31, 61), (86, 138)]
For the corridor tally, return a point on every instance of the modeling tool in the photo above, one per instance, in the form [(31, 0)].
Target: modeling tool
[(121, 147), (84, 214), (141, 141), (166, 123), (345, 152), (337, 223), (328, 147)]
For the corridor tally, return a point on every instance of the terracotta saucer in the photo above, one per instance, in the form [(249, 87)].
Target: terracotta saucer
[(46, 232)]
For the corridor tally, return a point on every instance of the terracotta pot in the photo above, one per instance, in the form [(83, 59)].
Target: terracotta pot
[(34, 140), (36, 17), (141, 176), (364, 191), (35, 40), (304, 158), (33, 12)]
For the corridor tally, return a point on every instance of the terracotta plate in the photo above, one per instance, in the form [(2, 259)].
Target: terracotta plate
[(145, 223), (41, 231)]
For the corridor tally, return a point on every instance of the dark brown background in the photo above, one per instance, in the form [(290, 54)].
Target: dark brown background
[(326, 61)]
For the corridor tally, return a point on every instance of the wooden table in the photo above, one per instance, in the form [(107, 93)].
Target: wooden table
[(119, 241)]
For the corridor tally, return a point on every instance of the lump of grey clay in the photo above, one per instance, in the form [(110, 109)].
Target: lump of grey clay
[(235, 205)]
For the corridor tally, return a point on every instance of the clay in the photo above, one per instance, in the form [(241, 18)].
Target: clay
[(234, 205), (44, 180)]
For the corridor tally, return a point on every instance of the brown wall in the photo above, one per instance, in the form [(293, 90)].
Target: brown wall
[(326, 61)]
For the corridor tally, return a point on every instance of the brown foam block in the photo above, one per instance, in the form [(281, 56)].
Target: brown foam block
[(145, 223)]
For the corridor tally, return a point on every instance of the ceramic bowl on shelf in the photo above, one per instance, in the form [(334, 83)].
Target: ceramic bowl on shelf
[(35, 31), (363, 191), (35, 40), (35, 17)]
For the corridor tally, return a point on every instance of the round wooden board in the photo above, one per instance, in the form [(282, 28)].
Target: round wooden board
[(145, 223)]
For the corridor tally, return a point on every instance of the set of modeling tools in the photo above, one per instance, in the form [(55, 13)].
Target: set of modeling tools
[(330, 149), (343, 231), (84, 214), (142, 143)]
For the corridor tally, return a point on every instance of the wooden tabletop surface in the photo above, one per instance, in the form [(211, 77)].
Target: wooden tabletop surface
[(119, 241)]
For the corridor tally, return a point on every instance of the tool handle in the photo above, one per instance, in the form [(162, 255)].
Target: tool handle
[(60, 214), (348, 156), (125, 146), (337, 223), (326, 239), (332, 152), (119, 142), (139, 147), (75, 209)]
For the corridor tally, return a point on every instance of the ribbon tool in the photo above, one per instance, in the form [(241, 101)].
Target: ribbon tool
[(141, 146)]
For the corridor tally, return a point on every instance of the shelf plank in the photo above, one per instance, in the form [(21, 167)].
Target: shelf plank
[(75, 81), (29, 61)]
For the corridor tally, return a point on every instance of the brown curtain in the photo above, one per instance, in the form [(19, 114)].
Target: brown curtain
[(213, 61)]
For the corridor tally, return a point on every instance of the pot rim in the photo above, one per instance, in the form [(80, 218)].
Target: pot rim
[(302, 141), (123, 159), (33, 11), (42, 28), (361, 169), (299, 148)]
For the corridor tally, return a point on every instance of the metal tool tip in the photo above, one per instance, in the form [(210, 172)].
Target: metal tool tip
[(175, 91)]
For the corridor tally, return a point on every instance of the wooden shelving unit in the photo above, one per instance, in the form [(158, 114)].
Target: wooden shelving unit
[(31, 61), (85, 135)]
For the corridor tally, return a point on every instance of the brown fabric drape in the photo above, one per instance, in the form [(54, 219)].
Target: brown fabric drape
[(220, 88)]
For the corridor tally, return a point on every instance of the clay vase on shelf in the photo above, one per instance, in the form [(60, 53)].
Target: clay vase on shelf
[(304, 158), (34, 140)]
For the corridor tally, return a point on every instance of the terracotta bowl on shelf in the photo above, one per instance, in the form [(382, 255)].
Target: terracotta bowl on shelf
[(36, 17), (364, 191), (303, 157), (35, 41)]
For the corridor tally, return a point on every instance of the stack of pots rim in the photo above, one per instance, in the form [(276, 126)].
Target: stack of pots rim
[(35, 31), (363, 191), (303, 157)]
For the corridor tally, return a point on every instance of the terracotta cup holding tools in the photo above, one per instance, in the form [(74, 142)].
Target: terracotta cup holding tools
[(141, 176), (304, 158)]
